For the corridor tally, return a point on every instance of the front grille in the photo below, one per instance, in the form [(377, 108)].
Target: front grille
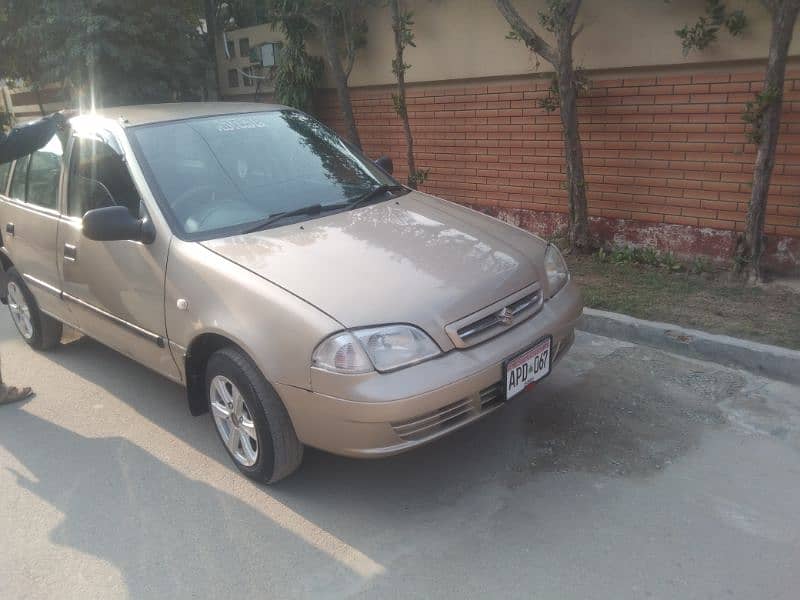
[(497, 318), (451, 415)]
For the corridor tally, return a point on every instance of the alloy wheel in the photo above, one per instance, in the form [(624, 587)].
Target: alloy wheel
[(234, 420), (20, 311)]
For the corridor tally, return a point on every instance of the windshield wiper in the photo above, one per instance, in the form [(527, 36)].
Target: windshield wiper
[(375, 193), (311, 209), (315, 209)]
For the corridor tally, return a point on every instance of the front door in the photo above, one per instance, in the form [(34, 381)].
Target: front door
[(114, 289)]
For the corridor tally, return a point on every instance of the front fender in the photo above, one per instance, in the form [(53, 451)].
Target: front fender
[(206, 293)]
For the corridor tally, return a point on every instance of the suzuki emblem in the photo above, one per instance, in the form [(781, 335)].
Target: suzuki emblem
[(505, 316)]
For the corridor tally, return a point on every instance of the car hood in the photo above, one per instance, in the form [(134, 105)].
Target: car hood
[(415, 259)]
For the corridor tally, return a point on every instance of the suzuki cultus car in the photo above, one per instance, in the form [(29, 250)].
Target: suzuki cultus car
[(299, 293)]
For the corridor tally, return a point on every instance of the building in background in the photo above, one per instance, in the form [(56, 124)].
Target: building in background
[(246, 60), (22, 103)]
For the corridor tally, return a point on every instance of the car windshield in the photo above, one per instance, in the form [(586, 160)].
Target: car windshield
[(220, 175)]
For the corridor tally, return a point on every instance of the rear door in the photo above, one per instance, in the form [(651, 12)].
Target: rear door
[(115, 290), (30, 227)]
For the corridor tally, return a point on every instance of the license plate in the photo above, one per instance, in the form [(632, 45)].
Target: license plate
[(528, 367)]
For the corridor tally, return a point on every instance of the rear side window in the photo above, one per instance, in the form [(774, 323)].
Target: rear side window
[(44, 175), (98, 177), (17, 190), (4, 170)]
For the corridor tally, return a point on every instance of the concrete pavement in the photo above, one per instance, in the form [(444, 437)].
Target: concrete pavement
[(628, 473)]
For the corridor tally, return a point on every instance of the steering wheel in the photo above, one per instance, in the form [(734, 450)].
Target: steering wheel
[(191, 194)]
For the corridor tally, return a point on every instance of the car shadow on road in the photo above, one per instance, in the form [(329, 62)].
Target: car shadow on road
[(164, 403), (635, 411), (630, 413)]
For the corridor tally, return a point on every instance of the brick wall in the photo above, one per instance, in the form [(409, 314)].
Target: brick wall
[(667, 160)]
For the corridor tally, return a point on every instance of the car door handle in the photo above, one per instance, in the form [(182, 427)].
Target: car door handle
[(10, 228), (70, 252)]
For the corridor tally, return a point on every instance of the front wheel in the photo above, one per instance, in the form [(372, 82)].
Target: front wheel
[(40, 331), (250, 418)]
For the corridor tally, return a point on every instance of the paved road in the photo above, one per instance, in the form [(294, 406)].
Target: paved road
[(629, 473)]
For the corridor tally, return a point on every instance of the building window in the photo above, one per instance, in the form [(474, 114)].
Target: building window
[(251, 75), (267, 54), (244, 47), (248, 81), (233, 78), (231, 49)]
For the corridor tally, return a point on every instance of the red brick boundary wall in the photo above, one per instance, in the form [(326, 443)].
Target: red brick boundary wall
[(667, 159)]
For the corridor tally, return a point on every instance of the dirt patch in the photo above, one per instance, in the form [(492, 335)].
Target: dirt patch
[(633, 413), (708, 301)]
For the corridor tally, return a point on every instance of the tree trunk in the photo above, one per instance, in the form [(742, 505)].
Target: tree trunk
[(401, 93), (561, 59), (573, 150), (334, 61), (751, 243), (210, 10)]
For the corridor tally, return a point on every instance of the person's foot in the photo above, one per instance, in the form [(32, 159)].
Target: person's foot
[(9, 394)]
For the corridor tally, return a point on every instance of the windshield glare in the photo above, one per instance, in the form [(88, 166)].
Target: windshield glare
[(218, 173)]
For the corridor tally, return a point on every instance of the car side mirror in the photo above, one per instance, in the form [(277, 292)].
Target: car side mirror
[(385, 163), (114, 223)]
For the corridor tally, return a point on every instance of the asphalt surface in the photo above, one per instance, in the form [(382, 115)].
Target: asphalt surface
[(628, 473)]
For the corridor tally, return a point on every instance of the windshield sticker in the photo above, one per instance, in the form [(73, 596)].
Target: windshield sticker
[(239, 123)]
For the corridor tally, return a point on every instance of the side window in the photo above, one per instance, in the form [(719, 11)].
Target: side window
[(44, 175), (17, 190), (98, 177), (4, 169)]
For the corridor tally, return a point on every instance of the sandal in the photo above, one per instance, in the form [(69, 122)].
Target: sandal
[(14, 394)]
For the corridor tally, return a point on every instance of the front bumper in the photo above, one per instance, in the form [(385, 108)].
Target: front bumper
[(384, 414)]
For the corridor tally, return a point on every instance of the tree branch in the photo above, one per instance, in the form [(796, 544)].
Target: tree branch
[(350, 45), (572, 13), (578, 31), (526, 33), (770, 5)]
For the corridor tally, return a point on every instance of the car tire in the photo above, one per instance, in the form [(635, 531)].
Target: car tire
[(40, 331), (278, 451)]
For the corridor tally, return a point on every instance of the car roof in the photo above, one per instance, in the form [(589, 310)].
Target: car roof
[(147, 114)]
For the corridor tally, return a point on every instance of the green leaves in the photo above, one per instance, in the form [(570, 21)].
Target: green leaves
[(404, 24), (399, 105), (551, 103), (754, 112), (105, 52), (403, 27), (631, 255), (705, 31), (298, 74), (555, 15), (418, 177)]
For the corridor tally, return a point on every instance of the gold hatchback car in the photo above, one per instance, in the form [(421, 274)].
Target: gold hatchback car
[(298, 292)]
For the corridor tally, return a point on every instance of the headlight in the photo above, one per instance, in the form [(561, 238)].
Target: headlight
[(556, 269), (383, 348)]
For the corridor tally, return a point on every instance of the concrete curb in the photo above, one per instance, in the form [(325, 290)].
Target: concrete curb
[(770, 361)]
